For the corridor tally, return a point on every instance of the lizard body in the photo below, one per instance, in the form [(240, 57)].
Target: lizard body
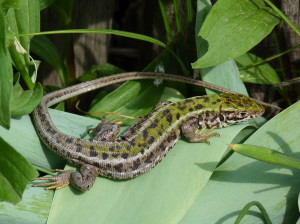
[(144, 144)]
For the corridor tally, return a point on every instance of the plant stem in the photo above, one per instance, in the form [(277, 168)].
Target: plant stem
[(270, 58), (286, 19)]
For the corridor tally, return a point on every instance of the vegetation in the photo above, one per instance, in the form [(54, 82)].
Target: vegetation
[(195, 183)]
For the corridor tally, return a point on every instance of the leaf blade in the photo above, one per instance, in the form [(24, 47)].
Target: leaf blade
[(16, 173), (227, 27), (262, 74), (6, 77)]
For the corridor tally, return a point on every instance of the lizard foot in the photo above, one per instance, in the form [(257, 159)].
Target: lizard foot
[(204, 134), (191, 130), (60, 181), (82, 180)]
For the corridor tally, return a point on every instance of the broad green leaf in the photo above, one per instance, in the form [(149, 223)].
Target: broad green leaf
[(171, 95), (15, 173), (36, 202), (6, 77), (23, 102), (163, 195), (98, 71), (262, 74), (266, 155), (134, 98), (175, 181), (30, 146), (232, 28), (240, 179), (7, 4), (34, 207), (45, 49), (23, 138), (225, 74)]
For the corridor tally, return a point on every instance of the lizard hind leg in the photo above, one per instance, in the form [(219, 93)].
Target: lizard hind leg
[(57, 182), (84, 179), (192, 130)]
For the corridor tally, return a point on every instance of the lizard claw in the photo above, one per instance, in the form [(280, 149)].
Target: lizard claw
[(60, 181), (205, 134)]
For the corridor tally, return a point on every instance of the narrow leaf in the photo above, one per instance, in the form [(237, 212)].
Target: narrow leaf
[(106, 31), (247, 207), (6, 77), (27, 20), (266, 155), (45, 48)]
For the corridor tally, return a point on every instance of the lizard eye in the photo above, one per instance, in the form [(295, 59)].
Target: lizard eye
[(243, 114)]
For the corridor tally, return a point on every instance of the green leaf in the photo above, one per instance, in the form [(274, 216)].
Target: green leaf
[(64, 9), (23, 20), (241, 179), (31, 147), (134, 98), (262, 74), (34, 207), (107, 31), (225, 74), (6, 77), (15, 173), (247, 207), (232, 28), (45, 3), (45, 49), (266, 155), (98, 71), (170, 187), (27, 20), (23, 102), (7, 4), (36, 202), (164, 63)]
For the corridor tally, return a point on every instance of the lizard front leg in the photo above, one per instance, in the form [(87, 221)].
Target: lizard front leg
[(192, 130)]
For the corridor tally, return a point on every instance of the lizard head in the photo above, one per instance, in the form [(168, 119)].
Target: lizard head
[(236, 108)]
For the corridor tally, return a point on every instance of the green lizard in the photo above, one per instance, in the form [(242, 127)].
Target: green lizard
[(144, 144)]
